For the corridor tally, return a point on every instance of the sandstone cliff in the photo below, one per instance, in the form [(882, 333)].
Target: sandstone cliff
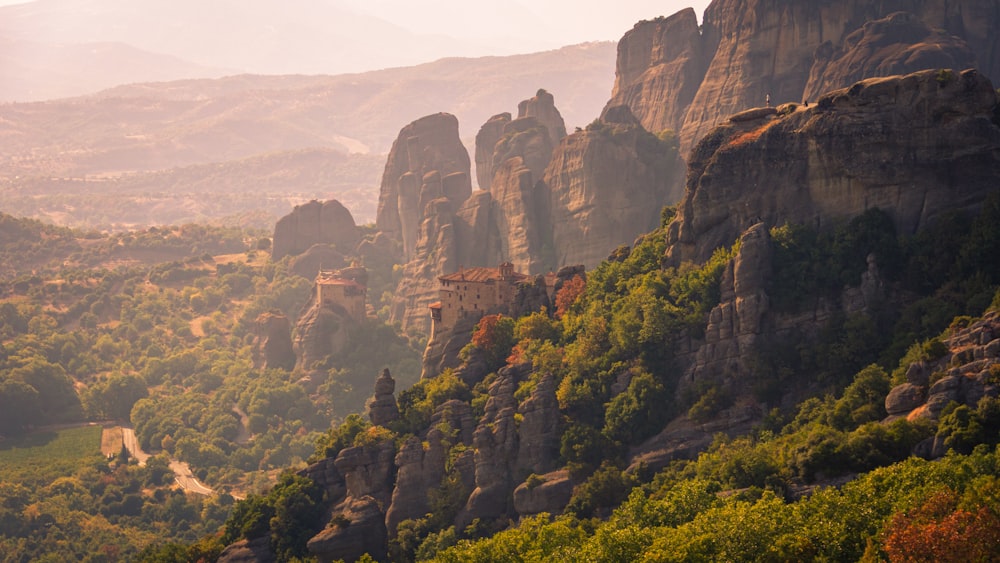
[(608, 185), (427, 161), (674, 77), (315, 223), (425, 181), (917, 146)]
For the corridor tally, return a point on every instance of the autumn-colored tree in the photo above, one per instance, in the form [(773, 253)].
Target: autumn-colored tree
[(568, 294), (494, 336), (939, 531)]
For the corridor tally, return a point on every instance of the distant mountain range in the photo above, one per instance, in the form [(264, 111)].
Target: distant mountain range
[(58, 48), (112, 142)]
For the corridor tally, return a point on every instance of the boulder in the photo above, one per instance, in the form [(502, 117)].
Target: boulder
[(358, 528), (314, 223), (904, 398), (549, 493)]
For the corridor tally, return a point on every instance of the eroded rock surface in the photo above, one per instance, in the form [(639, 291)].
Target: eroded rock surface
[(675, 75), (314, 223), (916, 146), (273, 342)]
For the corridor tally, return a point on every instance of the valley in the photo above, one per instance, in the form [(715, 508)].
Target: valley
[(749, 310)]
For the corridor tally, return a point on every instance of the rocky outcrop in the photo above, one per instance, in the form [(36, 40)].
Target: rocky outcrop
[(496, 445), (540, 429), (249, 551), (735, 324), (320, 332), (426, 180), (917, 146), (314, 223), (486, 139), (273, 342), (608, 185), (359, 528), (435, 256), (674, 75), (382, 409), (542, 108), (660, 65), (443, 348), (548, 493), (965, 374), (899, 43), (358, 524), (420, 471), (427, 162), (519, 198)]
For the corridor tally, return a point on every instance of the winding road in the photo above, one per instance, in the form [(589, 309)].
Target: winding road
[(182, 472)]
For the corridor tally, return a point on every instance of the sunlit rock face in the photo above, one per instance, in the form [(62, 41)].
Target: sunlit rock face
[(315, 223), (676, 75), (916, 146)]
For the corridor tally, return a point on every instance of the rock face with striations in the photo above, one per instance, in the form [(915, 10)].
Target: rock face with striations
[(673, 77), (426, 180), (314, 223), (552, 200), (917, 146), (608, 185), (427, 162), (496, 445)]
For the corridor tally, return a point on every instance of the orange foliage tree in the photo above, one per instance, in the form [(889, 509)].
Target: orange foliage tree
[(568, 294), (939, 531), (494, 336)]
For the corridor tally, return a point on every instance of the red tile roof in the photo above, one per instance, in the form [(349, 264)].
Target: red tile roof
[(480, 275)]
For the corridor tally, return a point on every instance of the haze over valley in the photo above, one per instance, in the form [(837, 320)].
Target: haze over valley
[(716, 284)]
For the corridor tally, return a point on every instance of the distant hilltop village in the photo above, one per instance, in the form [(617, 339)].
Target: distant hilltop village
[(474, 292)]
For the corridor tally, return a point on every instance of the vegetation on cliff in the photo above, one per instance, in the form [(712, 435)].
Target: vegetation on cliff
[(613, 348)]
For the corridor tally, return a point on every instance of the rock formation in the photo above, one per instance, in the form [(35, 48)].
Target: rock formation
[(496, 445), (916, 146), (273, 342), (735, 324), (608, 185), (426, 180), (320, 332), (674, 77), (315, 223), (486, 139), (539, 432), (899, 43), (383, 409), (427, 162), (964, 375)]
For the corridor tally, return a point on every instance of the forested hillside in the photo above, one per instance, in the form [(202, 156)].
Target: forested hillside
[(157, 328)]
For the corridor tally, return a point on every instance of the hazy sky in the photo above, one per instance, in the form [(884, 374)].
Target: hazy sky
[(506, 25), (566, 21)]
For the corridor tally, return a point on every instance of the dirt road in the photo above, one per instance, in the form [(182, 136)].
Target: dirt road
[(182, 472)]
